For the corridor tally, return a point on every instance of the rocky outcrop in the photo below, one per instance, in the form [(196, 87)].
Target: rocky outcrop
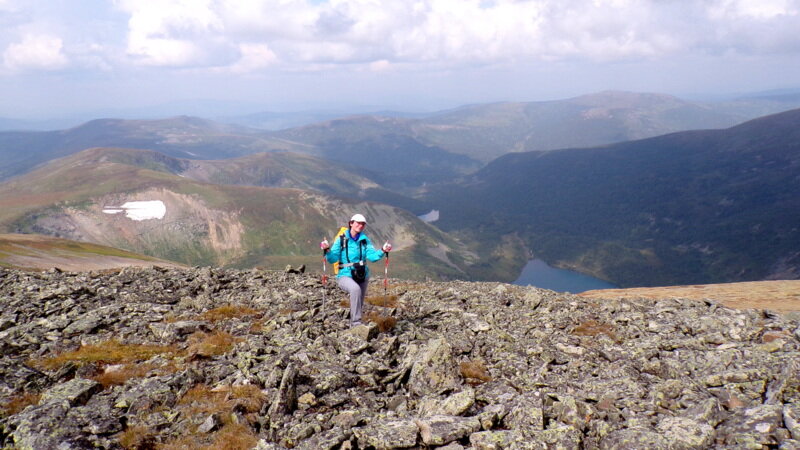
[(193, 357)]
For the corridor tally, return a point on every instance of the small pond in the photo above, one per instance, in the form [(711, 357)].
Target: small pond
[(538, 273)]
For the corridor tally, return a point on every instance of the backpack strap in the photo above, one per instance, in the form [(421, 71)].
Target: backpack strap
[(343, 242)]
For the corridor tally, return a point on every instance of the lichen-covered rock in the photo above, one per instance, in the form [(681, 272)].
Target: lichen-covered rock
[(569, 411), (560, 437), (327, 440), (474, 323), (526, 413), (502, 440), (686, 433), (495, 392), (491, 415), (635, 438), (454, 405), (145, 394), (760, 425), (76, 392), (791, 417), (286, 398), (441, 430), (434, 370), (451, 446), (388, 434), (365, 332), (560, 371), (173, 331), (84, 324), (41, 426)]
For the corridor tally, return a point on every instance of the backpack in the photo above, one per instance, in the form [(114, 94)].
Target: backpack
[(341, 232)]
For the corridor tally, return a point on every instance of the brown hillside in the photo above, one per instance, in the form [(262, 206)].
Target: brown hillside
[(37, 252), (779, 295)]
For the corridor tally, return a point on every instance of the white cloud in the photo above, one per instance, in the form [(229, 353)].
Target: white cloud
[(761, 9), (298, 33), (380, 66), (171, 33), (253, 58), (242, 36), (35, 52)]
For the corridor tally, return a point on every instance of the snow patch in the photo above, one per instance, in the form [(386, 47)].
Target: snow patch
[(432, 216), (143, 210)]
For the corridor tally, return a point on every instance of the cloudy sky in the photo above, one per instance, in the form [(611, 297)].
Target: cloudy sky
[(64, 56)]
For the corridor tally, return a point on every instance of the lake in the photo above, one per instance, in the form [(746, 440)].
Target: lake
[(538, 273)]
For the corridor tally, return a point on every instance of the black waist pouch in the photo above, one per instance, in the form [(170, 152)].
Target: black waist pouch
[(358, 272)]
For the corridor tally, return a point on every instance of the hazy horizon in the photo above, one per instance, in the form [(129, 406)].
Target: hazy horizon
[(60, 58)]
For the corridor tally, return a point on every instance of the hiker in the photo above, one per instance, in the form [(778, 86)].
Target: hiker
[(351, 250)]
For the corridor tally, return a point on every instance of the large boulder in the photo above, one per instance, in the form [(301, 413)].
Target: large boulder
[(434, 369), (75, 392)]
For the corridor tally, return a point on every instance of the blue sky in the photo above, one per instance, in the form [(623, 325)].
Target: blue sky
[(60, 57)]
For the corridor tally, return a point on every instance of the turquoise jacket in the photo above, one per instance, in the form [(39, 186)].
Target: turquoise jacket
[(340, 254)]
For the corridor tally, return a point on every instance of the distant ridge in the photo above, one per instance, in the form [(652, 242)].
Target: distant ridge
[(486, 131), (183, 137), (683, 208), (83, 197)]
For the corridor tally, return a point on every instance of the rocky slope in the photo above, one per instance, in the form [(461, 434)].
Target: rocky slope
[(193, 358)]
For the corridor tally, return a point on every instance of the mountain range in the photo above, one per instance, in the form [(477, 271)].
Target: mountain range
[(83, 197), (484, 132), (407, 150), (688, 207), (562, 181)]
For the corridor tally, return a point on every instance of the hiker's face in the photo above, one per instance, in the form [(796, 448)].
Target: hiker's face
[(357, 227)]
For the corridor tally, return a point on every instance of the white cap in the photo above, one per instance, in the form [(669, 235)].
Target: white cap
[(358, 218)]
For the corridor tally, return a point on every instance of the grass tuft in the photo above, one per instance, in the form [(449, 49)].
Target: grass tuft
[(475, 372), (257, 326), (136, 438), (18, 403), (229, 437), (211, 344), (385, 323), (249, 396), (595, 328), (226, 312), (108, 352), (203, 400), (118, 375), (386, 301), (235, 436)]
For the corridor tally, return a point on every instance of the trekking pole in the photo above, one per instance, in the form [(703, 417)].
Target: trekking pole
[(324, 280), (386, 276)]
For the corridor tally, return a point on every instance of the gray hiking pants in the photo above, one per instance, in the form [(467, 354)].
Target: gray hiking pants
[(357, 292)]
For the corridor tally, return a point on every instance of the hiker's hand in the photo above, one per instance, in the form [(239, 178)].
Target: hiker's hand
[(387, 247), (324, 245)]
